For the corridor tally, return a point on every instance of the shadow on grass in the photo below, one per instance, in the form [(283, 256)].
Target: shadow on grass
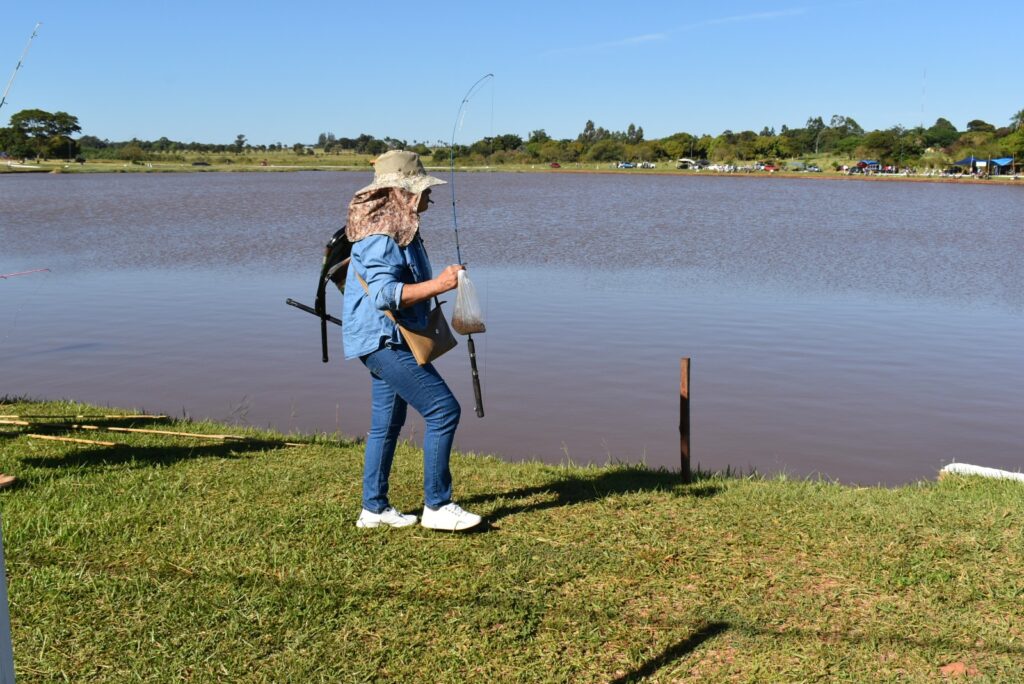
[(573, 490), (105, 457), (85, 456), (674, 652)]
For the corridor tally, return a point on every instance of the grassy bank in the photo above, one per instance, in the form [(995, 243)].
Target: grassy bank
[(175, 558)]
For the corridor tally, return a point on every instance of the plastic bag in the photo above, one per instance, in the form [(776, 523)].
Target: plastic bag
[(467, 318)]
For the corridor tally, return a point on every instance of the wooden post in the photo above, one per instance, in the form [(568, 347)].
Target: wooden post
[(684, 419)]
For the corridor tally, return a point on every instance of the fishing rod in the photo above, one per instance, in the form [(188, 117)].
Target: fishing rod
[(24, 54), (477, 394)]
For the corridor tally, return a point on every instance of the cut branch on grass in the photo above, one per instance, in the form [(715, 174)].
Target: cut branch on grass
[(148, 431), (55, 438), (138, 416)]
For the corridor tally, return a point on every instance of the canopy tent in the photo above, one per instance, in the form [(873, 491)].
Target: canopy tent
[(1002, 166), (968, 161)]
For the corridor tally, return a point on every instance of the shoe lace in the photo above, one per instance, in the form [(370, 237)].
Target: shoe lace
[(455, 509)]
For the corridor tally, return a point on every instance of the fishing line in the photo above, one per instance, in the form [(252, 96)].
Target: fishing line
[(459, 118), (490, 131), (12, 328), (487, 284)]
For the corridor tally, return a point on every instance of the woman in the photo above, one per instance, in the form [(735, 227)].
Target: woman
[(390, 272)]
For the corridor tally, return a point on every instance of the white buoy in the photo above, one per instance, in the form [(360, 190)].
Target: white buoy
[(981, 471)]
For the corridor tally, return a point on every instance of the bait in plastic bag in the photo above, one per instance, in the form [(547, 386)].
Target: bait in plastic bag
[(467, 318)]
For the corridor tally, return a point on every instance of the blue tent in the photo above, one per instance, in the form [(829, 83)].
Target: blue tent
[(968, 161), (1003, 161)]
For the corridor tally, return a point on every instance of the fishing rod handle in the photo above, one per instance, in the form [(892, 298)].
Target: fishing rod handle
[(477, 394)]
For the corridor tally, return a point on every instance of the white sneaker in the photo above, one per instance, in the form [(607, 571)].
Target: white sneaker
[(450, 517), (389, 517)]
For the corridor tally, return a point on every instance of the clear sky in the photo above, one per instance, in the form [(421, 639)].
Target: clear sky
[(286, 71)]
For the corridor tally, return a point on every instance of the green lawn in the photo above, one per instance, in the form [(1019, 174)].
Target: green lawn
[(177, 559)]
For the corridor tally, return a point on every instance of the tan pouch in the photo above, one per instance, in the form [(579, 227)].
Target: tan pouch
[(431, 342)]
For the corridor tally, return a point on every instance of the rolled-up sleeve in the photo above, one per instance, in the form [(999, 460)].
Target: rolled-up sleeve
[(382, 260)]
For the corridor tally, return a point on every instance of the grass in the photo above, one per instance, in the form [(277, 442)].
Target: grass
[(175, 559)]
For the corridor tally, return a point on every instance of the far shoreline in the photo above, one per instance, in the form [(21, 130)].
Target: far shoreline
[(103, 167)]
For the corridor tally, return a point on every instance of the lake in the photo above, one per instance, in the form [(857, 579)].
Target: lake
[(868, 332)]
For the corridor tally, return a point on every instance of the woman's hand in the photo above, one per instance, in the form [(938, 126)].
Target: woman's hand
[(414, 293), (449, 278)]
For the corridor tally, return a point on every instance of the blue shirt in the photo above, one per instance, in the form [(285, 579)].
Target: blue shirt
[(386, 268)]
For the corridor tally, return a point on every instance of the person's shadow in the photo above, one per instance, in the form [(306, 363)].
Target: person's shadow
[(584, 487)]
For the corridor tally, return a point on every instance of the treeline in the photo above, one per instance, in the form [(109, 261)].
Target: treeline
[(37, 133), (841, 137)]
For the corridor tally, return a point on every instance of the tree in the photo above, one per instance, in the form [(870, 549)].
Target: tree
[(845, 126), (634, 134), (592, 134), (979, 126), (588, 134), (133, 153), (538, 136), (239, 143), (1017, 120), (509, 142), (46, 134), (37, 123), (606, 150), (881, 144), (941, 134), (93, 141), (679, 145), (814, 124), (15, 143), (1015, 143)]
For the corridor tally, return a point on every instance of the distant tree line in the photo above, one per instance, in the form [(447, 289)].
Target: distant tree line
[(40, 134)]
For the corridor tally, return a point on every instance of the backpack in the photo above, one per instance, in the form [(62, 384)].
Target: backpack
[(337, 256)]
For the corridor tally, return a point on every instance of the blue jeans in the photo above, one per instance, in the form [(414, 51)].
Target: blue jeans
[(399, 382)]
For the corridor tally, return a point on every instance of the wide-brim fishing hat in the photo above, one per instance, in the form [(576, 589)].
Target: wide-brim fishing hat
[(401, 169)]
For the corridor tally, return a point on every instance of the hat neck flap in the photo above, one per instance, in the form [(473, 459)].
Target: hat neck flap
[(383, 211)]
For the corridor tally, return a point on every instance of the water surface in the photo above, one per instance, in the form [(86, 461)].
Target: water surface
[(869, 332)]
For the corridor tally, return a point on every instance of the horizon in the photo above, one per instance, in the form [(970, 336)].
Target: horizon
[(277, 74)]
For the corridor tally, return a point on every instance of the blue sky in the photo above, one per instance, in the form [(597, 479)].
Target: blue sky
[(286, 71)]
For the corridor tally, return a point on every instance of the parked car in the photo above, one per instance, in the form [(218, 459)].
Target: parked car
[(555, 165), (769, 168), (813, 169), (626, 165)]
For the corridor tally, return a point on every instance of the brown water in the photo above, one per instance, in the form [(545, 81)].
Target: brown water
[(870, 332)]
